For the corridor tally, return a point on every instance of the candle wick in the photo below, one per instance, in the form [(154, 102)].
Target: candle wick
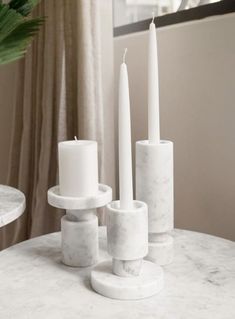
[(124, 55), (75, 137), (153, 16)]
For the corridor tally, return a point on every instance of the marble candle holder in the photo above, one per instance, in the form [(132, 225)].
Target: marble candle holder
[(79, 227), (154, 186), (127, 276)]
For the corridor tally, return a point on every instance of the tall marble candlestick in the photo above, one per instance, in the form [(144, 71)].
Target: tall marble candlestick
[(154, 186)]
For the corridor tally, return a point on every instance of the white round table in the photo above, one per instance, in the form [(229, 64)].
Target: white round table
[(199, 284), (12, 204)]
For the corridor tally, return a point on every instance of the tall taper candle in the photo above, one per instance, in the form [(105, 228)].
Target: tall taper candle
[(125, 154), (153, 88)]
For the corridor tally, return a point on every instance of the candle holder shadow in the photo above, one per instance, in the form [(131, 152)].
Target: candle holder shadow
[(154, 186), (79, 227), (127, 276)]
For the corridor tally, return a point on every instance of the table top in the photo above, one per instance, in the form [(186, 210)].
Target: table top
[(12, 204), (200, 283)]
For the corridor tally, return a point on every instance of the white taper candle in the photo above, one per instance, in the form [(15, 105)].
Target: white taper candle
[(153, 88), (125, 154)]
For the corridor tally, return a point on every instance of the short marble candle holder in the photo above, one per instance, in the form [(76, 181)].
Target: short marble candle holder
[(154, 186), (127, 276), (79, 227)]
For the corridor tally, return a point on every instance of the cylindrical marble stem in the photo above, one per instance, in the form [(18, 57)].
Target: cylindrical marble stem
[(127, 236), (80, 214), (158, 237), (154, 186), (127, 268), (80, 246), (161, 248)]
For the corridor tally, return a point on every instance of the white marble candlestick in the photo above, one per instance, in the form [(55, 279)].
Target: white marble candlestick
[(154, 186), (79, 227), (127, 276)]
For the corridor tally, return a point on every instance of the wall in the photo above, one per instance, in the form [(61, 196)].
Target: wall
[(197, 67), (197, 94)]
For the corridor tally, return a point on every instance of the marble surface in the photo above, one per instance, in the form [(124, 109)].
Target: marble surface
[(199, 284), (12, 204)]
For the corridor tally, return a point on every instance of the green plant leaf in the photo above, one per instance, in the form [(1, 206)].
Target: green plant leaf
[(9, 20), (16, 33), (23, 7)]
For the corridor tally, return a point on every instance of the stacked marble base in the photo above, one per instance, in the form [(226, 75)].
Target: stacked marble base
[(127, 276), (154, 186), (79, 227)]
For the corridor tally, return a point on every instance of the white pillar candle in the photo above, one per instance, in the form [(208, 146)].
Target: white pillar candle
[(125, 154), (78, 168), (153, 88)]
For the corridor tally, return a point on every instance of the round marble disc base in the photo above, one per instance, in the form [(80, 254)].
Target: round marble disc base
[(161, 253), (148, 283), (103, 197)]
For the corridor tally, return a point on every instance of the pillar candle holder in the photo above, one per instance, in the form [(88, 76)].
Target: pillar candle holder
[(154, 186), (127, 275), (79, 227)]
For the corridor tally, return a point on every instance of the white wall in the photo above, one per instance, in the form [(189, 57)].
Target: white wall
[(197, 101)]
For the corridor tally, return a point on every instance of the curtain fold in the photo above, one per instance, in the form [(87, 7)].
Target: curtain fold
[(59, 95)]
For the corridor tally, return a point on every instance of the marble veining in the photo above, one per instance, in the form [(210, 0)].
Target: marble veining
[(127, 268), (199, 284), (12, 204), (154, 186), (154, 183), (80, 245)]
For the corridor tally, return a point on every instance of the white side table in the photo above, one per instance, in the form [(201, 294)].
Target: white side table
[(199, 283), (12, 204)]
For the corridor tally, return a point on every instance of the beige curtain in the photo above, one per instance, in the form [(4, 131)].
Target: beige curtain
[(62, 91)]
